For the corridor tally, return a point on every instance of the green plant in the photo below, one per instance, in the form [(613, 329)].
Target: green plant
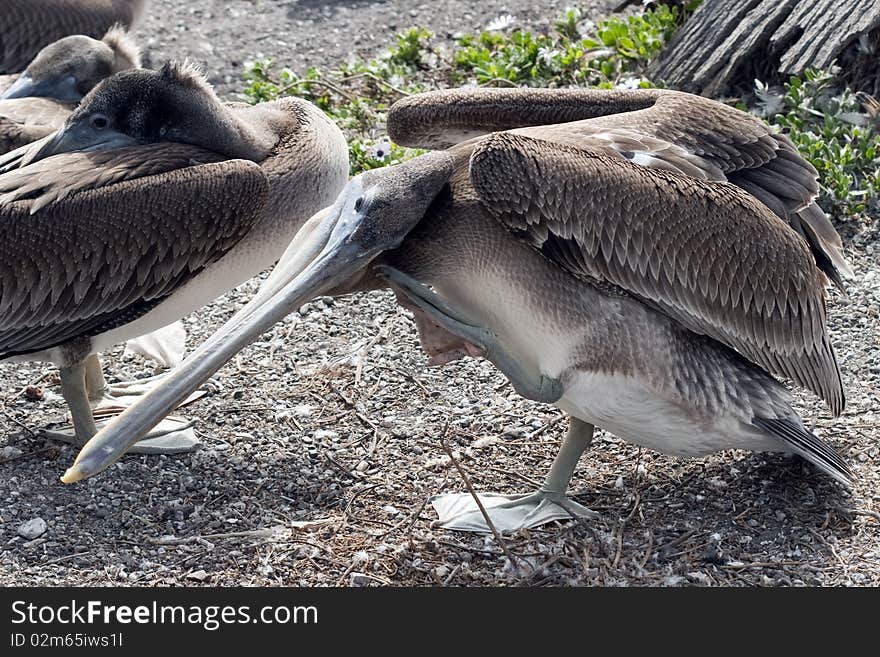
[(614, 52), (411, 46), (576, 52), (357, 96), (819, 120), (356, 99)]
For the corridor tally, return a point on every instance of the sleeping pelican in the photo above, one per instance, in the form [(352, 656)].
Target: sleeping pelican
[(38, 101), (646, 266), (27, 26), (154, 199)]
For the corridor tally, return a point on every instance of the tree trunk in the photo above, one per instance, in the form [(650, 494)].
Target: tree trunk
[(726, 41)]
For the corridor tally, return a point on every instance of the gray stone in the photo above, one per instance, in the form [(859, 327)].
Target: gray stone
[(32, 529)]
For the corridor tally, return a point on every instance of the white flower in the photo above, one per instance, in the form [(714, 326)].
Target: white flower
[(381, 149), (501, 23), (547, 56), (629, 83), (770, 103)]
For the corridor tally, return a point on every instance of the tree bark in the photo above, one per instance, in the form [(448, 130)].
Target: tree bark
[(727, 39)]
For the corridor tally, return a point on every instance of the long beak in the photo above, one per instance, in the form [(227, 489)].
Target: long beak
[(295, 281), (70, 138), (81, 137), (59, 88)]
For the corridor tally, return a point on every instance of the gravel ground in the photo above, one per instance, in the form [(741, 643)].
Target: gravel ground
[(221, 36), (322, 442)]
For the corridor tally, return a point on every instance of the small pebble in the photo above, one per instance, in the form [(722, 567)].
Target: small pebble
[(34, 393), (8, 452), (32, 529), (358, 579)]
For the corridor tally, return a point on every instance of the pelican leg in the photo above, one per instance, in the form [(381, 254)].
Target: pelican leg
[(84, 387), (510, 513), (96, 384), (73, 387), (528, 383), (104, 395)]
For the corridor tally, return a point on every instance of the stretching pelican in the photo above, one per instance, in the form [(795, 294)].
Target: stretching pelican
[(645, 266), (154, 199)]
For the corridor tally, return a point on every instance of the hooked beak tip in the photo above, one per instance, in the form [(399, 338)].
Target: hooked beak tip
[(73, 474), (62, 89), (93, 458), (21, 88)]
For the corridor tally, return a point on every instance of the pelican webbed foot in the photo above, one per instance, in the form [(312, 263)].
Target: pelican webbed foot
[(174, 435), (126, 393), (528, 383), (93, 403), (510, 513)]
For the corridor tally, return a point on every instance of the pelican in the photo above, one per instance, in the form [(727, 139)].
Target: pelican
[(37, 102), (644, 260), (26, 26), (153, 199)]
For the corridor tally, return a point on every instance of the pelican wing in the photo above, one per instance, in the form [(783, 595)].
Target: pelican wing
[(652, 127), (706, 253), (717, 142), (24, 120), (444, 118), (14, 134), (50, 180), (105, 254)]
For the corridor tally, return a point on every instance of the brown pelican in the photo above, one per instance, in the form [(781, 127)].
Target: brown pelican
[(38, 101), (153, 199), (619, 266), (26, 26)]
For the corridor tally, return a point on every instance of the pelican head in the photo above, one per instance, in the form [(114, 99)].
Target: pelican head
[(69, 68), (373, 214), (140, 106)]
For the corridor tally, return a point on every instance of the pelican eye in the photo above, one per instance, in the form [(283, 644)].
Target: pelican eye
[(359, 204), (99, 121)]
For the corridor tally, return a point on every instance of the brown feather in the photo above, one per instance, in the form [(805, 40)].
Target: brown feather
[(696, 136), (24, 120), (686, 230), (82, 266)]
